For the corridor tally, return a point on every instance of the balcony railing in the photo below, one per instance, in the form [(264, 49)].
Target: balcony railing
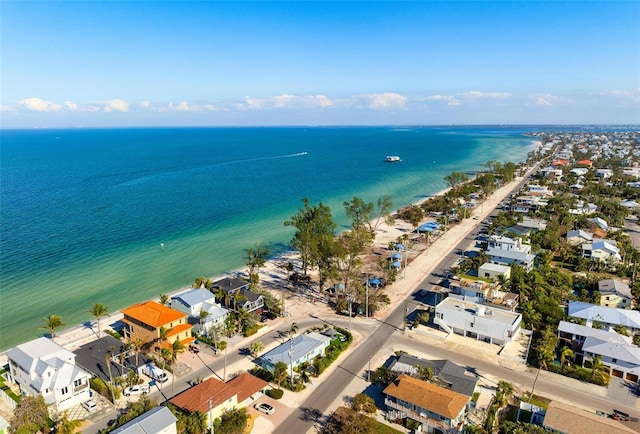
[(400, 412)]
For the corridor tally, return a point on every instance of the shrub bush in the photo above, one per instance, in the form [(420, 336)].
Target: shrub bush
[(275, 393)]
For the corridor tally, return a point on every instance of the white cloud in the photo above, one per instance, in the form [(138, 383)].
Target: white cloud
[(386, 100), (71, 106), (633, 95), (40, 105), (451, 100), (115, 105), (6, 108), (285, 101), (474, 94), (144, 104), (183, 106), (546, 100)]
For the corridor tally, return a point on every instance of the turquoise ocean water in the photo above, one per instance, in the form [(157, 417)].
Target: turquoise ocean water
[(83, 213)]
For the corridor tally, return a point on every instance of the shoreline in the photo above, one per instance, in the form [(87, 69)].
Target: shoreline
[(76, 335)]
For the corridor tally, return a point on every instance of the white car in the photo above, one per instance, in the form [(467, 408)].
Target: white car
[(90, 405), (265, 408), (140, 389)]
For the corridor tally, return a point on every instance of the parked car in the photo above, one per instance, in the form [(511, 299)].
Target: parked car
[(154, 373), (265, 408), (90, 405), (140, 389)]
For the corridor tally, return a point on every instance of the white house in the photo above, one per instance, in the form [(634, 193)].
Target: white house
[(602, 223), (506, 243), (496, 326), (489, 270), (601, 250), (42, 367), (508, 257), (194, 301), (616, 351), (584, 208), (158, 420), (609, 316)]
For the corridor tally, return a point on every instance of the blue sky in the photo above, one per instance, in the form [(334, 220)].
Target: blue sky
[(93, 64)]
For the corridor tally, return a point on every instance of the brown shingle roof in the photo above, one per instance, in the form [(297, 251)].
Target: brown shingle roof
[(153, 313), (434, 398), (572, 420), (246, 385), (197, 397)]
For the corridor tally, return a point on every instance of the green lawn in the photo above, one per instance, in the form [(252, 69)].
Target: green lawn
[(381, 428), (6, 388)]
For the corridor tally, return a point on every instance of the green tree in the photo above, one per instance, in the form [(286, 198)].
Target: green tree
[(201, 317), (30, 415), (425, 373), (255, 259), (233, 421), (67, 426), (359, 212), (164, 299), (455, 180), (52, 322), (566, 353), (256, 347), (280, 373), (98, 310), (385, 209), (313, 224), (363, 403)]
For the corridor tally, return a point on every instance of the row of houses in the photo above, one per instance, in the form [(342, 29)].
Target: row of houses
[(42, 367)]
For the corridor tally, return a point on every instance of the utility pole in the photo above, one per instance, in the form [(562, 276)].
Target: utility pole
[(349, 299), (366, 305)]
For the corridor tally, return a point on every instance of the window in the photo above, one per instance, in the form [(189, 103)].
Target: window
[(64, 390), (77, 383), (614, 360)]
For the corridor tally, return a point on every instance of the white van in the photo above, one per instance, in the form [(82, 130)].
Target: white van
[(154, 373)]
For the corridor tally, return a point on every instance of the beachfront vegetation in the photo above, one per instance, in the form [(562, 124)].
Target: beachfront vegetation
[(254, 260), (98, 310), (52, 322), (356, 418)]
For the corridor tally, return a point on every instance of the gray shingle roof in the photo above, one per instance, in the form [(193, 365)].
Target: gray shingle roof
[(455, 376)]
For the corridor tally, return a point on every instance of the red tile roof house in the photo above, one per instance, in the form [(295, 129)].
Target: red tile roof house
[(212, 397), (436, 408)]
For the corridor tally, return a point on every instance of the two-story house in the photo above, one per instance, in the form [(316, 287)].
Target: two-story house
[(235, 294), (436, 409), (150, 322), (617, 352), (196, 301), (601, 250), (477, 321), (606, 316), (614, 293), (42, 367), (506, 251)]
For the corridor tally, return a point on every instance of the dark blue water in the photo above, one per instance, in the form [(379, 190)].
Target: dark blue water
[(83, 212)]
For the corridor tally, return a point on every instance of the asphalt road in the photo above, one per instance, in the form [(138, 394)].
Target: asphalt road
[(314, 409)]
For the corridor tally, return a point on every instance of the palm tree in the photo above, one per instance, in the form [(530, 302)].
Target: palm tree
[(256, 347), (565, 353), (176, 349), (203, 315), (505, 388), (107, 360), (280, 372), (598, 369), (229, 327), (98, 310), (137, 344), (52, 322), (67, 426), (164, 299)]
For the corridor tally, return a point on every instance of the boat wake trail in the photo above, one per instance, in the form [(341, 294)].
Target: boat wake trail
[(209, 166)]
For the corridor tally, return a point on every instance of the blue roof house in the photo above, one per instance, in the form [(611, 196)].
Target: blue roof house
[(306, 347)]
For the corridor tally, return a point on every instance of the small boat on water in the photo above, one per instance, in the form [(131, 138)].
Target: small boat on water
[(392, 159)]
